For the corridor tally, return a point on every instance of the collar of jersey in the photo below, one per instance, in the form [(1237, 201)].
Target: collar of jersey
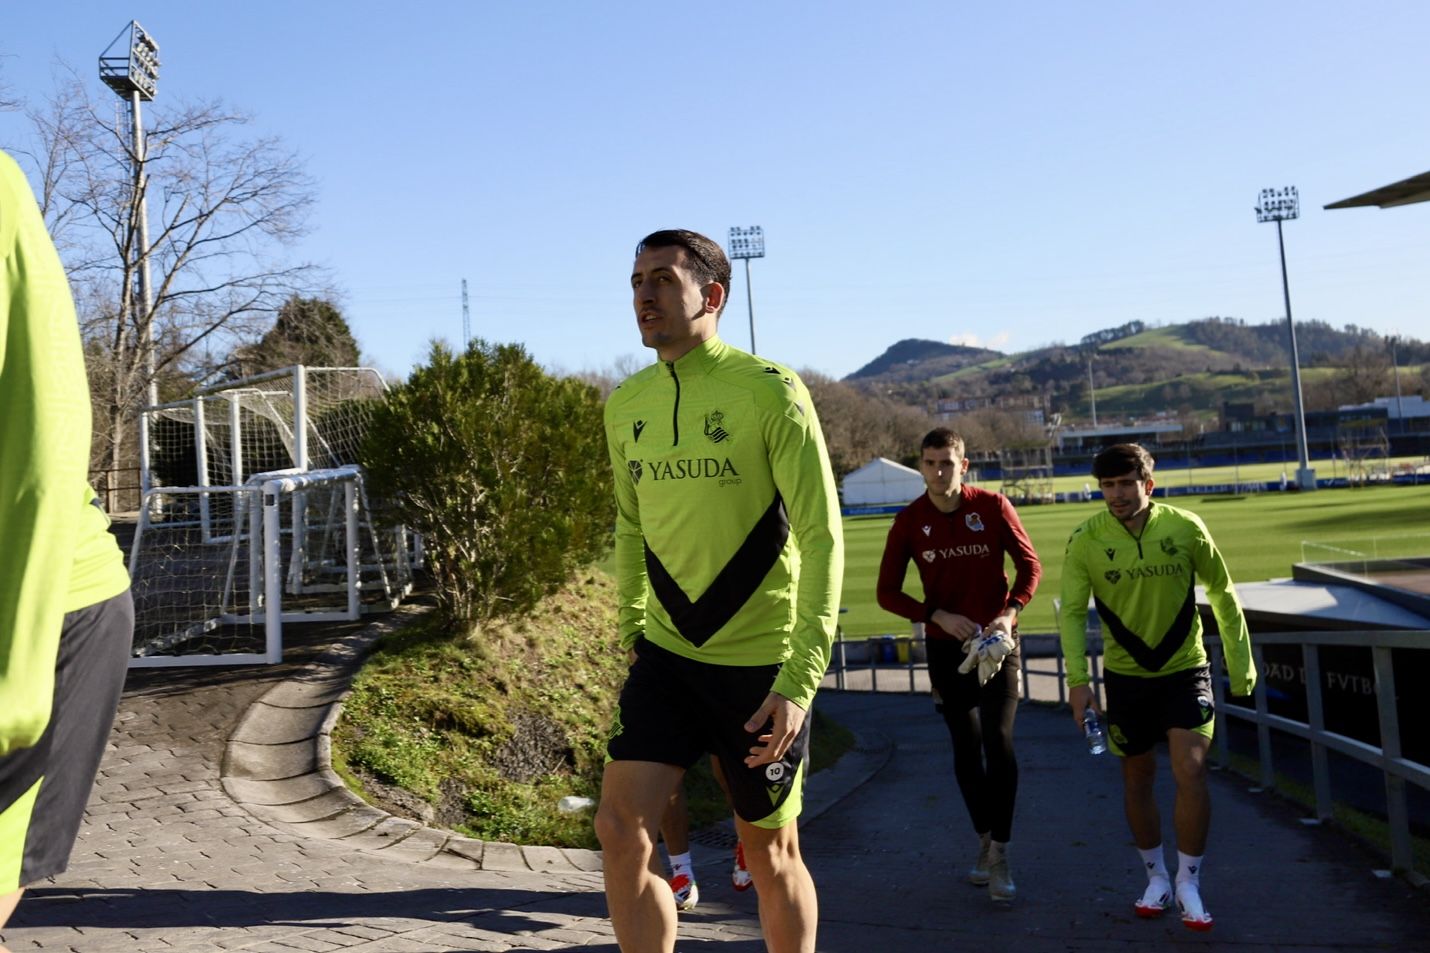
[(702, 358)]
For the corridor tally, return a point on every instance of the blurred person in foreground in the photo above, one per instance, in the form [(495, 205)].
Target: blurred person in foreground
[(1140, 562), (729, 559), (66, 619)]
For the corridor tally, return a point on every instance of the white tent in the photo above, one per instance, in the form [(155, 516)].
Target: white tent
[(881, 482)]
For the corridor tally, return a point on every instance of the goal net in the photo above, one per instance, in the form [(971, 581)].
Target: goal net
[(290, 548), (299, 418), (249, 482)]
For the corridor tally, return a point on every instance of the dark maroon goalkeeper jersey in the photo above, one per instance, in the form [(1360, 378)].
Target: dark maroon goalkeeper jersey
[(960, 558)]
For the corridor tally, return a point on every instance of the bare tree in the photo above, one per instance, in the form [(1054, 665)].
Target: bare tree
[(1365, 374), (221, 208), (859, 426), (606, 379)]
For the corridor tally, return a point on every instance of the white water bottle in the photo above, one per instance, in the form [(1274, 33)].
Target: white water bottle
[(571, 804), (1092, 730)]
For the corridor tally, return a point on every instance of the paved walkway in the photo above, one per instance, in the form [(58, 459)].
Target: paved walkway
[(186, 848)]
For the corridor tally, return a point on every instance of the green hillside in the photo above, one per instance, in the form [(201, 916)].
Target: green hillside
[(1189, 369)]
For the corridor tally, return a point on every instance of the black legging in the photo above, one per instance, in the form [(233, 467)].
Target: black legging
[(980, 722)]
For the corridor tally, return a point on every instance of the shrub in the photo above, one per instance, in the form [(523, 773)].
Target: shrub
[(502, 468)]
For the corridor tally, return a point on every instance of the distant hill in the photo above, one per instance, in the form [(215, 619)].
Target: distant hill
[(912, 359), (1184, 368)]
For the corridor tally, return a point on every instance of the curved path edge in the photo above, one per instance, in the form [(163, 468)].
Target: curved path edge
[(277, 766)]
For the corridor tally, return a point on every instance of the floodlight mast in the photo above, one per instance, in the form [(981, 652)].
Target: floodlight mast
[(130, 67), (1281, 205), (748, 243)]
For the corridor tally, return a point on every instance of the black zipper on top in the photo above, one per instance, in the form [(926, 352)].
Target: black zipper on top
[(675, 413), (1138, 537)]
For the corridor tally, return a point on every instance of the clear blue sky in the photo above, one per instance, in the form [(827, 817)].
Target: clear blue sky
[(1005, 174)]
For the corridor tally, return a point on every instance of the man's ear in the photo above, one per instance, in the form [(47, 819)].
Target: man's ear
[(714, 297)]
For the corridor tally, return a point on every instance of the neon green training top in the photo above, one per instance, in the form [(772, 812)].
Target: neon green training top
[(57, 554), (1145, 591), (729, 547)]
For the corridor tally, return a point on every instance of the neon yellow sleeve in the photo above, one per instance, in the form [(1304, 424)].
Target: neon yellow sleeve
[(1072, 616), (1226, 608), (800, 464), (629, 546)]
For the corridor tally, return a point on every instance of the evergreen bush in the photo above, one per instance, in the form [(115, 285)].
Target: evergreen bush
[(502, 468)]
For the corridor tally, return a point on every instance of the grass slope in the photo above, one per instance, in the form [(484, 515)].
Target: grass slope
[(490, 729), (483, 733)]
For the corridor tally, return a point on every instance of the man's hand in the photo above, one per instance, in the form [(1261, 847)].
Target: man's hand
[(1003, 622), (787, 719), (961, 627), (1079, 697)]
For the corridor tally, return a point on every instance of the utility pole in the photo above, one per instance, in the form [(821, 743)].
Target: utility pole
[(466, 318), (1092, 391)]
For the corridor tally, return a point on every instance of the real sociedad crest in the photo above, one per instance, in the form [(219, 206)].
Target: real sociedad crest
[(973, 521)]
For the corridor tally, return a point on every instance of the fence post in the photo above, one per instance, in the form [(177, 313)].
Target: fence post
[(350, 526), (1396, 810), (273, 573), (1315, 715), (1263, 729)]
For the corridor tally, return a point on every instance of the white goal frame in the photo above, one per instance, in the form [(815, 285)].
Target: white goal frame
[(259, 570), (229, 547)]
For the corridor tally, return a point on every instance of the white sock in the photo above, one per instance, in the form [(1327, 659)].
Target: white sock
[(680, 864), (1189, 869), (1154, 863), (1189, 898)]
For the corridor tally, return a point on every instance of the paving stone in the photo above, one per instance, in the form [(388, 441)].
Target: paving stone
[(499, 855), (327, 804), (314, 693), (543, 859), (582, 859), (268, 725), (340, 825), (261, 762)]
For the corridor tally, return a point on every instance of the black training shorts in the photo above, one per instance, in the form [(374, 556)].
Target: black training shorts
[(44, 788), (673, 710), (1141, 710)]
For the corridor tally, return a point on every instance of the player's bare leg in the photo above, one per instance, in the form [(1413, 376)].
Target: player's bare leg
[(634, 797), (789, 908)]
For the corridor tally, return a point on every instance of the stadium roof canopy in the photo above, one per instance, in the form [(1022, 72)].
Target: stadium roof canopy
[(1405, 192)]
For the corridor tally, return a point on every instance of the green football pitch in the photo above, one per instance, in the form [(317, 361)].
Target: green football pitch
[(1261, 536)]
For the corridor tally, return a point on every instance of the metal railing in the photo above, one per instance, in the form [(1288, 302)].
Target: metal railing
[(857, 665), (1396, 770), (902, 661)]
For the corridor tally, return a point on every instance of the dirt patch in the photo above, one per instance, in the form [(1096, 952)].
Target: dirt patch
[(537, 747)]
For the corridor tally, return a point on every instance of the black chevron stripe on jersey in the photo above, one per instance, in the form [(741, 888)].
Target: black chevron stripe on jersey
[(1152, 657), (732, 588)]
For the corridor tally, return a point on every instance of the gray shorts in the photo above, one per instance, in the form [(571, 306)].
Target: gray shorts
[(37, 832)]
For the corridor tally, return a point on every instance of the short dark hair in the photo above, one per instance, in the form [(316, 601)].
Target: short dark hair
[(1123, 458), (940, 437), (705, 257)]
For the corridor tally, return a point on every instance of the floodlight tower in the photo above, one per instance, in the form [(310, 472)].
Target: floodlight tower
[(130, 67), (1395, 367), (748, 243), (1280, 205)]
